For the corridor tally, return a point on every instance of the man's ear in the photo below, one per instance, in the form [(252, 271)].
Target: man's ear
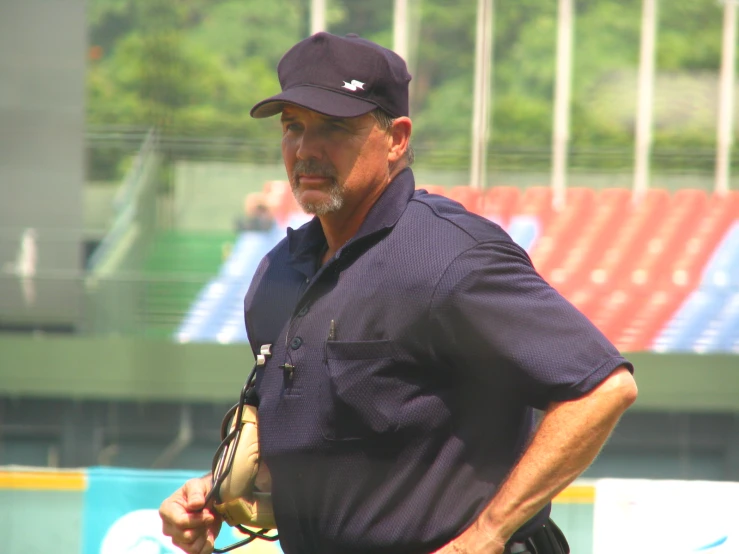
[(399, 138)]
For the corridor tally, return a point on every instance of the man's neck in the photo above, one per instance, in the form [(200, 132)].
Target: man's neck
[(340, 228)]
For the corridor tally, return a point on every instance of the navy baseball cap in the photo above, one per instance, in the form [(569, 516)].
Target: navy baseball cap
[(339, 77)]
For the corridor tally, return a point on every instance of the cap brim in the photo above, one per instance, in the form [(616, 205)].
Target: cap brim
[(321, 100)]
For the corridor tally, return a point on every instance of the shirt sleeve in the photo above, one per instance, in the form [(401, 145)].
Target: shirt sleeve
[(493, 315)]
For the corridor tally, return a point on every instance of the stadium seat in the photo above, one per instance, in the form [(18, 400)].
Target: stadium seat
[(469, 197), (611, 207), (661, 273), (722, 270), (565, 225), (701, 239), (499, 203), (647, 320), (686, 209), (612, 313), (632, 235), (524, 230), (536, 202), (722, 333), (216, 314), (684, 329), (661, 246), (433, 189)]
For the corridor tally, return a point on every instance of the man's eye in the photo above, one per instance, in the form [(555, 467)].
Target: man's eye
[(292, 127), (338, 127)]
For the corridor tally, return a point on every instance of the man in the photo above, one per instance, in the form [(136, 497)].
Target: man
[(411, 342)]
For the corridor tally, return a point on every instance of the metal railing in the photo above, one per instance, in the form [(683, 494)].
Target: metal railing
[(133, 202), (134, 304), (180, 145)]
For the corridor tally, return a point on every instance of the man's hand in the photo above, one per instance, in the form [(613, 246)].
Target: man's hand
[(475, 540), (192, 526)]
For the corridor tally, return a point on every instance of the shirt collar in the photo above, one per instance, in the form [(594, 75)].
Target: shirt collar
[(305, 242)]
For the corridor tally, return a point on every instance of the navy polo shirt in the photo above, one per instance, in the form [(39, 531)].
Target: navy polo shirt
[(404, 373)]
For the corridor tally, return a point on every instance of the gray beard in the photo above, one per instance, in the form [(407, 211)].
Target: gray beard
[(333, 204), (335, 191)]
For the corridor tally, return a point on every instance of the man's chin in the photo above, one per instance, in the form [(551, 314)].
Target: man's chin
[(319, 209), (321, 204)]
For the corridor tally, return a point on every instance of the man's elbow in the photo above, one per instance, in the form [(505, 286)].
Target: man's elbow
[(623, 385)]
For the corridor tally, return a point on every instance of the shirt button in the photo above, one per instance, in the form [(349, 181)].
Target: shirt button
[(303, 311), (295, 343), (307, 279)]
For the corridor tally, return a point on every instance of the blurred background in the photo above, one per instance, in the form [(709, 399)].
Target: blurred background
[(137, 197)]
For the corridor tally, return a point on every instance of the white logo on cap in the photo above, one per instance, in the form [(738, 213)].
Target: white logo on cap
[(354, 85)]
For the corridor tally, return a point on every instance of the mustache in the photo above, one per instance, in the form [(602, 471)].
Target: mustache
[(313, 167)]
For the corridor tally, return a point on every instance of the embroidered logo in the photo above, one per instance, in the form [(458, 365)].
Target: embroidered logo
[(354, 85)]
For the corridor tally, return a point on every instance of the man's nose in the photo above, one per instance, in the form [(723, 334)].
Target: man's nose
[(310, 146)]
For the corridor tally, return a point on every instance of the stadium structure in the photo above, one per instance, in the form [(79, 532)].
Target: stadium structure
[(122, 345)]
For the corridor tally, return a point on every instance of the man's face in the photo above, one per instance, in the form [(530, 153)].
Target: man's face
[(332, 163)]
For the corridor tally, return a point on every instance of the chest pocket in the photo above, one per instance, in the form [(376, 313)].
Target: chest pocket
[(364, 392)]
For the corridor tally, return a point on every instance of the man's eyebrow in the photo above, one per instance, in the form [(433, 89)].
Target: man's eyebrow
[(341, 120), (286, 118)]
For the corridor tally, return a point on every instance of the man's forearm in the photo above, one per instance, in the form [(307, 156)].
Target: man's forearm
[(567, 441)]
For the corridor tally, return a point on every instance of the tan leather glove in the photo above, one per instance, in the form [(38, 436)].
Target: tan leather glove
[(240, 503)]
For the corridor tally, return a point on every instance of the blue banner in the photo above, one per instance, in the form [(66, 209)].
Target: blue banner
[(121, 513)]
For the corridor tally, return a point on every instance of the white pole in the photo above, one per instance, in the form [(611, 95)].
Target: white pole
[(643, 146), (725, 130), (317, 16), (400, 29), (562, 95), (481, 107)]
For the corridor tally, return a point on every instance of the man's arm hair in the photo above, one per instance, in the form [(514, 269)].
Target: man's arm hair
[(568, 439)]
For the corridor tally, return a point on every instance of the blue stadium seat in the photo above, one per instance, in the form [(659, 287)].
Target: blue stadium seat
[(722, 333), (683, 331), (524, 230), (722, 270), (708, 321), (216, 315)]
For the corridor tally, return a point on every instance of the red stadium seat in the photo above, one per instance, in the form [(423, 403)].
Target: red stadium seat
[(649, 319), (433, 189), (536, 201), (632, 234), (614, 311), (499, 204), (469, 197), (611, 206), (640, 260), (700, 240), (564, 226), (687, 208)]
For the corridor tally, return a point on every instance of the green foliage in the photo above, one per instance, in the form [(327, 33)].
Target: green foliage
[(196, 67), (192, 66)]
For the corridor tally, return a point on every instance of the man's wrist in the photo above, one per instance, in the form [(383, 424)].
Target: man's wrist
[(492, 532), (497, 528)]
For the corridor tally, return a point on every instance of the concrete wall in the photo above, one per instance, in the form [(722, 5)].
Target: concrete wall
[(42, 87), (87, 400), (94, 367)]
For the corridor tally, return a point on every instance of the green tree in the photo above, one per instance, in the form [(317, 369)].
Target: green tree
[(197, 66)]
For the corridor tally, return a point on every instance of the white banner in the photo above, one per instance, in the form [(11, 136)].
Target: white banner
[(665, 517)]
